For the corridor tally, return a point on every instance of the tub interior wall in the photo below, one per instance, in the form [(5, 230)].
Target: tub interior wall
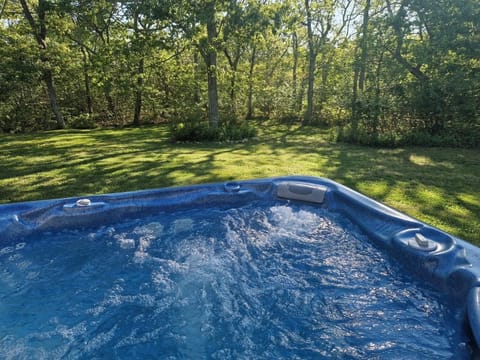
[(308, 273), (453, 267)]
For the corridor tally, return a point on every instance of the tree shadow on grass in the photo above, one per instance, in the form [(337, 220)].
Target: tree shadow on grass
[(428, 184), (105, 161)]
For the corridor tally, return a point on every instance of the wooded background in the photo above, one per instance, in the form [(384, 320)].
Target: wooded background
[(383, 72)]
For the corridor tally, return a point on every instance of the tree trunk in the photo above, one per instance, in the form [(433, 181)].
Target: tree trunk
[(4, 6), (397, 53), (311, 81), (86, 78), (354, 115), (378, 107), (414, 70), (325, 69), (311, 64), (213, 113), (110, 102), (233, 62), (40, 33), (233, 94), (47, 76), (196, 91), (250, 83), (295, 101), (211, 60), (138, 93), (360, 66), (364, 47)]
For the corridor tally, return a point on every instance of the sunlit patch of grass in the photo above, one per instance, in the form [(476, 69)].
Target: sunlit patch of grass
[(469, 199), (431, 196), (420, 160), (459, 212), (437, 185), (377, 189)]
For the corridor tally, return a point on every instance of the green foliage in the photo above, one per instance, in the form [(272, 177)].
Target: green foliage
[(454, 137), (199, 131), (194, 132), (457, 138), (82, 121), (290, 118), (420, 70), (362, 137), (421, 86)]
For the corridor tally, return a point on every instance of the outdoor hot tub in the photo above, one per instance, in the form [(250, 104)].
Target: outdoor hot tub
[(280, 268)]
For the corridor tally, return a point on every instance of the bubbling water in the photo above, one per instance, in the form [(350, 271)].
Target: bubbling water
[(266, 281)]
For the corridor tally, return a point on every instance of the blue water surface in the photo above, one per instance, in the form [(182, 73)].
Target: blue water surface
[(265, 281)]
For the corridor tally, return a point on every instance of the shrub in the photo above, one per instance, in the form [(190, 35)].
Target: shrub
[(459, 138), (290, 118), (82, 121), (198, 131)]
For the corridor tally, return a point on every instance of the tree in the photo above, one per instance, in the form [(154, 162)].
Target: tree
[(231, 27), (394, 68), (21, 89), (243, 23), (147, 29), (323, 28), (97, 33), (360, 64), (39, 30), (209, 52), (3, 6)]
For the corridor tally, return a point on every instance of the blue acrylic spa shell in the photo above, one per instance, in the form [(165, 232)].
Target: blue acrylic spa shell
[(446, 262)]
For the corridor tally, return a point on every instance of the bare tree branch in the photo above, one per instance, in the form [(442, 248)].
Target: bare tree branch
[(28, 15), (4, 6)]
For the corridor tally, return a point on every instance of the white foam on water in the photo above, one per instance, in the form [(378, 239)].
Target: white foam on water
[(182, 225), (100, 339), (136, 338), (125, 242), (147, 234), (285, 218), (71, 333), (7, 250), (274, 282)]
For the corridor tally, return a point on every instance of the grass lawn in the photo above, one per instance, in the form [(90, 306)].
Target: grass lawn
[(440, 186)]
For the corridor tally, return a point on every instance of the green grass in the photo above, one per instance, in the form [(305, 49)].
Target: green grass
[(440, 186)]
